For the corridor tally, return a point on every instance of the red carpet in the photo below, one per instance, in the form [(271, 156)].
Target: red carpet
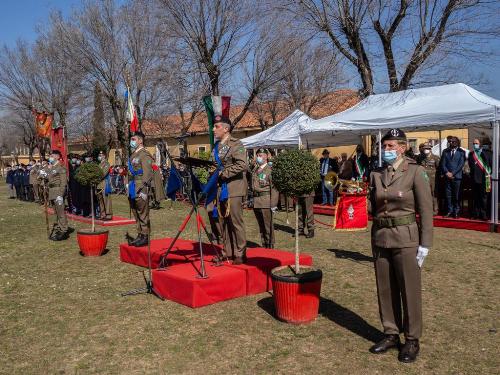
[(117, 220), (180, 282), (324, 210)]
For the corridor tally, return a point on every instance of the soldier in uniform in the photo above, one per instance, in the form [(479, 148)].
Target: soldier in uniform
[(104, 189), (430, 163), (231, 158), (399, 191), (57, 180), (42, 181), (34, 180), (306, 215), (265, 198), (140, 176)]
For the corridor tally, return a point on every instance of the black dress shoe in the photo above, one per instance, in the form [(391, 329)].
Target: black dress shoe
[(389, 342), (141, 240), (409, 352), (310, 234), (449, 214)]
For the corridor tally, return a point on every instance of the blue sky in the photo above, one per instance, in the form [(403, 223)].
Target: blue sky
[(19, 18)]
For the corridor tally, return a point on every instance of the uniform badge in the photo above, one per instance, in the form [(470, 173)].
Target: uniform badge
[(135, 161), (350, 212)]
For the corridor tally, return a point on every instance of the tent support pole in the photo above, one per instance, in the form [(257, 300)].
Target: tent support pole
[(379, 136), (440, 140), (494, 167)]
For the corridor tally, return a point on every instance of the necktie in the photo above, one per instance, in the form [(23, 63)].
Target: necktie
[(324, 170)]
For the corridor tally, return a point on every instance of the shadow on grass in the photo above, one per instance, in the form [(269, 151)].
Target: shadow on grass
[(284, 228), (351, 255), (251, 244), (338, 314), (103, 253)]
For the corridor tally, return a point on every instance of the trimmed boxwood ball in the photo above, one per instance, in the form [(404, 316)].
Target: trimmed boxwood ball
[(89, 174), (295, 172)]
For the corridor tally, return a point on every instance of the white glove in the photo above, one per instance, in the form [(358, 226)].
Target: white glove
[(144, 196), (421, 254), (43, 174), (59, 200), (274, 209)]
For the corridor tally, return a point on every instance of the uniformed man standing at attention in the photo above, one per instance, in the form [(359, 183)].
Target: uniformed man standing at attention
[(104, 189), (140, 172), (57, 180), (231, 159), (399, 191), (430, 163), (265, 198)]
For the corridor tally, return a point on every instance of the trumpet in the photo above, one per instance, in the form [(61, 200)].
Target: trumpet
[(332, 182)]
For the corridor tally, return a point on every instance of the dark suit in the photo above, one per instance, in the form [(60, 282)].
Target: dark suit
[(453, 160), (478, 177), (330, 166)]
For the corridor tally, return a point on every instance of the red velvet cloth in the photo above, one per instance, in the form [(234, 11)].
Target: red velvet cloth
[(352, 212), (324, 210)]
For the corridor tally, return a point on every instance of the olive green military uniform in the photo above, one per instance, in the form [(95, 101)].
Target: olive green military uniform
[(431, 165), (105, 205), (141, 159), (233, 157), (43, 173), (157, 184), (265, 197), (397, 194), (306, 212), (215, 223), (34, 181), (57, 180)]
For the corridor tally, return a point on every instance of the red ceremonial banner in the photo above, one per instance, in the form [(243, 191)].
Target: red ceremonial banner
[(351, 212), (43, 123), (58, 142)]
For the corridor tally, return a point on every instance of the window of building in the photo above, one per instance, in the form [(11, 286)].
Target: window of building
[(201, 149)]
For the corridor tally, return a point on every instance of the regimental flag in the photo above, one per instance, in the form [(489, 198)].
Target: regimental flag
[(43, 123), (351, 213), (174, 183), (215, 105), (58, 141), (131, 112)]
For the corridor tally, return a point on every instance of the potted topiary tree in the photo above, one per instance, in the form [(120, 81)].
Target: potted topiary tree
[(296, 289), (92, 243)]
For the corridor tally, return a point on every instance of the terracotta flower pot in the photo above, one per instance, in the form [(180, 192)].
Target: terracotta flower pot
[(296, 297), (92, 243)]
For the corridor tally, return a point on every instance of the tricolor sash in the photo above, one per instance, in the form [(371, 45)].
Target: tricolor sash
[(485, 168), (359, 169)]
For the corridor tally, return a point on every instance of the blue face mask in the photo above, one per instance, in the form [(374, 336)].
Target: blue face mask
[(389, 156), (52, 160), (133, 144), (260, 161), (476, 146)]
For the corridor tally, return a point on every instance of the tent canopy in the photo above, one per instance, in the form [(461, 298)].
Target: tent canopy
[(441, 107), (282, 135)]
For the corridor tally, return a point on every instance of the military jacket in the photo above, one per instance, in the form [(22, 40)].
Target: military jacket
[(34, 174), (104, 165), (57, 181), (264, 194), (233, 157), (397, 194), (141, 159), (430, 164)]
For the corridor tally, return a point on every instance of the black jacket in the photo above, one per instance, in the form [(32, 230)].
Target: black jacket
[(476, 174), (332, 165)]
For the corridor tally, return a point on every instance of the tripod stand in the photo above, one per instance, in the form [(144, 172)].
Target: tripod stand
[(200, 224)]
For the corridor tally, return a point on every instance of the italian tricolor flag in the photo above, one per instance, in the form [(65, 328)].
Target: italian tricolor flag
[(215, 105)]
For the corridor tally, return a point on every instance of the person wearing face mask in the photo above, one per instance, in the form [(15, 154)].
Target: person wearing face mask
[(104, 189), (265, 197), (452, 164), (140, 176), (35, 167), (360, 163), (231, 159), (43, 173), (480, 161), (430, 163), (399, 191), (57, 187)]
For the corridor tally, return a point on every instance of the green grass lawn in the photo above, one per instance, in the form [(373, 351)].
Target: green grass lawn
[(61, 313)]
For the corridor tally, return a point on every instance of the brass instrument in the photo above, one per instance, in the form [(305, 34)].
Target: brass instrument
[(332, 181)]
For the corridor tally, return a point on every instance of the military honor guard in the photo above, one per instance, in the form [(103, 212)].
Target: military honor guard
[(231, 159), (480, 161), (104, 189), (399, 191), (265, 198), (430, 163), (57, 180), (140, 177)]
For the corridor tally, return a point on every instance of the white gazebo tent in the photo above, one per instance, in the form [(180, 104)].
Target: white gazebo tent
[(284, 134), (441, 107)]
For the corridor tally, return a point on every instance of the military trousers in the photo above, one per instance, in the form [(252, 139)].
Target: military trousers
[(264, 218), (215, 224), (306, 213), (105, 206), (35, 192), (61, 219), (140, 210), (399, 291), (233, 228)]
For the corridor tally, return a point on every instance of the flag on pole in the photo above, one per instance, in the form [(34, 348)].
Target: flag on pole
[(131, 112), (215, 105), (43, 123)]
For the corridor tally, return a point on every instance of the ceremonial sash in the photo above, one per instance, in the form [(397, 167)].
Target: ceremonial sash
[(131, 184), (107, 187), (359, 169), (485, 168)]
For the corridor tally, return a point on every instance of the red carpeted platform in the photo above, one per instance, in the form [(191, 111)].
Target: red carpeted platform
[(180, 281), (462, 223), (318, 209), (117, 220)]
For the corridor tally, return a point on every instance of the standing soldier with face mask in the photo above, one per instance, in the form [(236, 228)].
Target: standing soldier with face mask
[(35, 167), (57, 187), (399, 191), (430, 163), (104, 189), (140, 169), (265, 198)]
